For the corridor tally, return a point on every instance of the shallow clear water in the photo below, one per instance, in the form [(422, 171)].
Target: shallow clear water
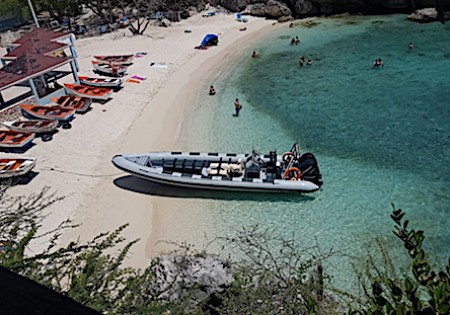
[(381, 136)]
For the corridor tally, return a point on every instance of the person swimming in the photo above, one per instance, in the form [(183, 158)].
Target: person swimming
[(378, 63), (301, 61)]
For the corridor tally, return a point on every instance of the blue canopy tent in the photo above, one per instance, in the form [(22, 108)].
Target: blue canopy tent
[(209, 40)]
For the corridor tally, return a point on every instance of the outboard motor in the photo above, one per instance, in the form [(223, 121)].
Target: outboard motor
[(307, 164)]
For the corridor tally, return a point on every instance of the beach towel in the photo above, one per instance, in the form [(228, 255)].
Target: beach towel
[(140, 54), (133, 81), (158, 65), (211, 13), (136, 77)]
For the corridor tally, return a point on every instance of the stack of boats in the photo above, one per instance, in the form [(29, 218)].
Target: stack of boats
[(43, 120), (113, 65)]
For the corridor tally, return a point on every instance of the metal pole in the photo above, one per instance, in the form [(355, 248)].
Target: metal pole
[(33, 13)]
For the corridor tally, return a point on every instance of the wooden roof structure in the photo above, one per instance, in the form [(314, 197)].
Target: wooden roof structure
[(31, 57), (39, 41), (27, 66)]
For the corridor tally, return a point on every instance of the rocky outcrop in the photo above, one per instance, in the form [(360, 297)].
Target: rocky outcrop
[(271, 9), (284, 9), (424, 15), (194, 276)]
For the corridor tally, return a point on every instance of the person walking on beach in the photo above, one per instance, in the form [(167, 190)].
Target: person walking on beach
[(237, 107)]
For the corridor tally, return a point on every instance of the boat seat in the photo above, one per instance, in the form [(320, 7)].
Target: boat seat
[(199, 165), (218, 169), (189, 164), (223, 172), (270, 178), (235, 170), (167, 163)]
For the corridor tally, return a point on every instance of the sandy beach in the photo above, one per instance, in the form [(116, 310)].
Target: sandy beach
[(148, 116)]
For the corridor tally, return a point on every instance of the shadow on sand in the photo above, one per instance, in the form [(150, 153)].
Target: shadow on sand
[(18, 181), (143, 186)]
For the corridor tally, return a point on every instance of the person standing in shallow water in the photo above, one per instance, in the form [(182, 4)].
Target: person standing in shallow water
[(237, 107), (212, 90), (301, 61)]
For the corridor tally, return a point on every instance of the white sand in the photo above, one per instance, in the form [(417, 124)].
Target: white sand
[(142, 117)]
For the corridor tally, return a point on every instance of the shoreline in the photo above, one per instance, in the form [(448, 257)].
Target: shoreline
[(76, 163)]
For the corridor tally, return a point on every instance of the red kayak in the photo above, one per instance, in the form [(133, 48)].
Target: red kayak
[(88, 91), (116, 59), (80, 104), (13, 139)]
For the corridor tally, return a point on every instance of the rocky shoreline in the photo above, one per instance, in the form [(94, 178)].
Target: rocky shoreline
[(287, 10)]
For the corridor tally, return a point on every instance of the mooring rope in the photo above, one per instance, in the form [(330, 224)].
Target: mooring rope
[(81, 174)]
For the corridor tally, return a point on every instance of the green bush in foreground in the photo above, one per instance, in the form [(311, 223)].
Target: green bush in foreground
[(272, 275), (423, 291)]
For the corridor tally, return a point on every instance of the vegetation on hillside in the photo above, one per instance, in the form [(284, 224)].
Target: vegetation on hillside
[(273, 275)]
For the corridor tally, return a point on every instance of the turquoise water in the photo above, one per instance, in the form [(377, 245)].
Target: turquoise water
[(381, 136)]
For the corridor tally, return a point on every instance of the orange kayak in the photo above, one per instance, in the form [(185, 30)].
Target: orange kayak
[(13, 139), (15, 167), (48, 112), (116, 59), (88, 91), (80, 104), (34, 125)]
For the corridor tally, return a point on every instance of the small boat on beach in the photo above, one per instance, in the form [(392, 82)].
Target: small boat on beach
[(116, 59), (103, 67), (101, 82), (15, 140), (80, 104), (48, 112), (88, 91), (291, 172), (33, 125), (14, 167)]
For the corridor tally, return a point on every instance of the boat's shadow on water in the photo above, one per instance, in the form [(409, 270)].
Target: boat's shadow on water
[(143, 186)]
